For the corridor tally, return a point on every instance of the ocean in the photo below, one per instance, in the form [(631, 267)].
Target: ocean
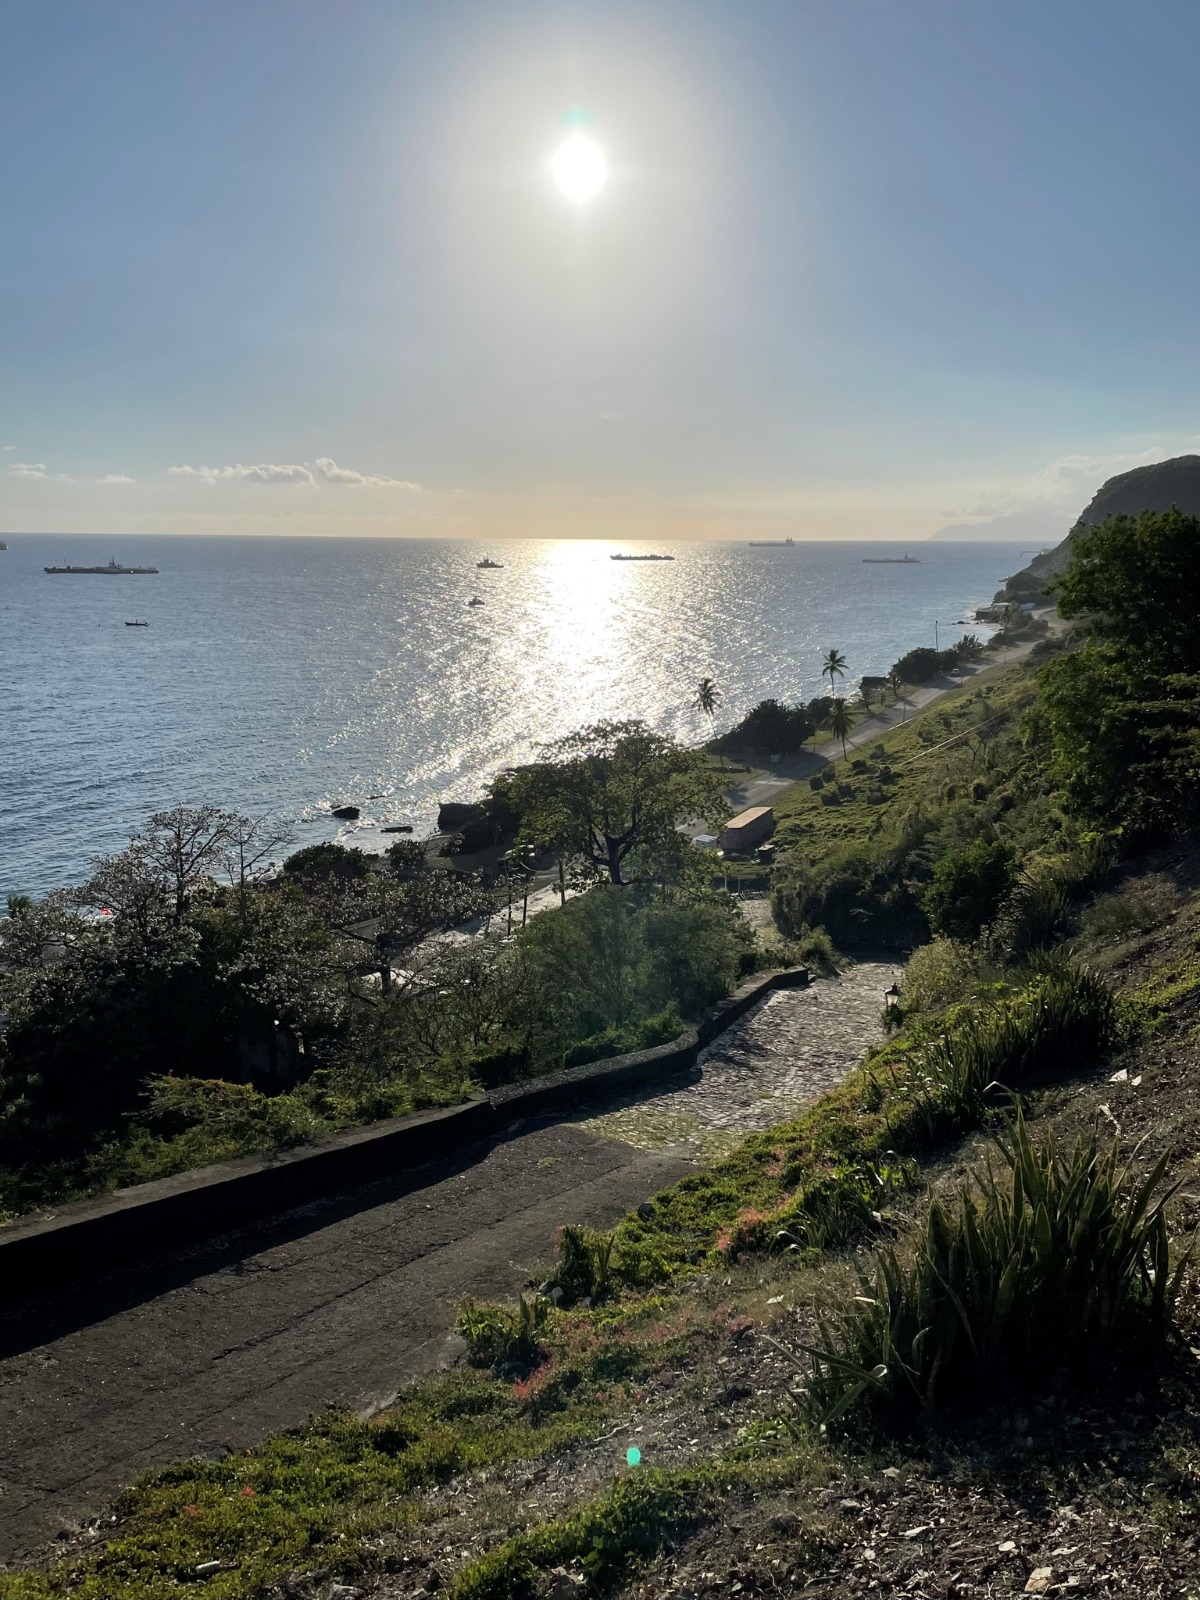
[(288, 675)]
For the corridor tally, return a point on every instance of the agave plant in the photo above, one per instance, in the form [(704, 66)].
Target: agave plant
[(1062, 1260)]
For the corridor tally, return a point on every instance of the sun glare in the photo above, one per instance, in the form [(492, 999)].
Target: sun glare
[(579, 168)]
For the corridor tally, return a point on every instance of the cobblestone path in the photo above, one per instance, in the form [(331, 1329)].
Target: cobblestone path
[(796, 1045)]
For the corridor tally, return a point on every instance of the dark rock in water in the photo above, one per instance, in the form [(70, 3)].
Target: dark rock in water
[(397, 827), (454, 815), (350, 813), (1157, 487)]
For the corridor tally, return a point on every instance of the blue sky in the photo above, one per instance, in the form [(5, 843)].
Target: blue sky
[(860, 268)]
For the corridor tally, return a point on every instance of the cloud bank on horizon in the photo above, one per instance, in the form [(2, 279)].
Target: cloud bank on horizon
[(850, 267)]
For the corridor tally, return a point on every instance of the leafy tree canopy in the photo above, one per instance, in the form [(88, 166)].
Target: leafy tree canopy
[(616, 792), (1137, 580)]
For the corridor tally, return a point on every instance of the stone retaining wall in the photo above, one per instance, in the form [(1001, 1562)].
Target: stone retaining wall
[(132, 1225)]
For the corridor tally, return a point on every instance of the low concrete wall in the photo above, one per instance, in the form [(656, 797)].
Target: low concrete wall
[(134, 1224)]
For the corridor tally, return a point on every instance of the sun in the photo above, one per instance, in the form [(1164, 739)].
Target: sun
[(579, 168)]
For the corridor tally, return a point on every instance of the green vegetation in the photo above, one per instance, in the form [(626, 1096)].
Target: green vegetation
[(182, 1007), (633, 1520), (1061, 1263), (772, 727), (1124, 709), (1042, 1269), (610, 797), (968, 886)]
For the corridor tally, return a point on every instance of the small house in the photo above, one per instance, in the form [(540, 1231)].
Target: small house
[(748, 829)]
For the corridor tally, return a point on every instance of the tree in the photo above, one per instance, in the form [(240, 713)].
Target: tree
[(251, 842), (895, 682), (1137, 581), (834, 667), (708, 700), (185, 847), (840, 722), (969, 885), (617, 792), (383, 918), (771, 726), (318, 861)]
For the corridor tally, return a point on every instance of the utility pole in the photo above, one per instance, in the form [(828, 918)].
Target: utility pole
[(935, 634)]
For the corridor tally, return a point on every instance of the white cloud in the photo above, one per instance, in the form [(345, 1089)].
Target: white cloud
[(115, 477), (1065, 486), (7, 447), (331, 473), (263, 473), (28, 469)]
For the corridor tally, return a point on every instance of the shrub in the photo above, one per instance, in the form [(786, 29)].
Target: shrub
[(1066, 1016), (661, 1028), (585, 1262), (861, 898), (503, 1339), (1036, 915), (969, 883), (770, 726), (814, 948), (1063, 1262), (937, 975)]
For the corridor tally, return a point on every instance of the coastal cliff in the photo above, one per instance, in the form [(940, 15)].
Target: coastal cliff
[(1157, 487)]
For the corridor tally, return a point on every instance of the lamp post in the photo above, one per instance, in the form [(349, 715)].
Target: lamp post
[(891, 998)]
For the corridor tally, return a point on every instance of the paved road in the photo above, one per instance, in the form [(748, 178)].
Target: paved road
[(345, 1300)]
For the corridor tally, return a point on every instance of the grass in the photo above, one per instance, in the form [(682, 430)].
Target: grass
[(868, 796), (644, 1510)]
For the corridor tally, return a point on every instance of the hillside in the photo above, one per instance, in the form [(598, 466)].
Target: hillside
[(1156, 487)]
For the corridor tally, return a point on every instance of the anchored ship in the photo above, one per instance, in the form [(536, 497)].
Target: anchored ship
[(112, 569), (641, 558), (891, 561), (769, 544)]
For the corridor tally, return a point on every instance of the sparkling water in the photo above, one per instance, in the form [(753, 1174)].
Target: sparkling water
[(288, 675)]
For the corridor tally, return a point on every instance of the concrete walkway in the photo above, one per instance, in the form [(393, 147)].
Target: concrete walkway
[(344, 1301)]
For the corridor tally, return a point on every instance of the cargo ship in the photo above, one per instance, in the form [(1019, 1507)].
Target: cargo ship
[(641, 558), (769, 544), (891, 561), (112, 569)]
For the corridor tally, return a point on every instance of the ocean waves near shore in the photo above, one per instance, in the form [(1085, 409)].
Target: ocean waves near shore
[(291, 674)]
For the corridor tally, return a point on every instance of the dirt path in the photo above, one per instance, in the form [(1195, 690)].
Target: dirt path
[(343, 1301)]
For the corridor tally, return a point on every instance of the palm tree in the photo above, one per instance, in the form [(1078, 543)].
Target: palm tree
[(839, 722), (708, 700), (834, 667)]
